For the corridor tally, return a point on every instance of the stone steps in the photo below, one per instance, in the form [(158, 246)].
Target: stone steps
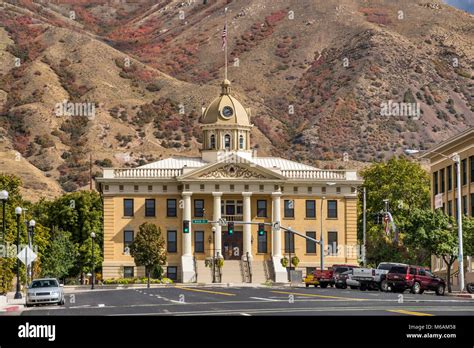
[(204, 274), (232, 272)]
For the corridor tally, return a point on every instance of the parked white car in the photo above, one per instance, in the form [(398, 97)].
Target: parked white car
[(46, 290)]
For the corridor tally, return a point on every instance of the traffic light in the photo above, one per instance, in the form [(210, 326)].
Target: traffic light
[(261, 229), (185, 226), (230, 228)]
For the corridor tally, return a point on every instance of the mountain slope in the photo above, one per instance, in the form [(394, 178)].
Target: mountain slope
[(316, 74)]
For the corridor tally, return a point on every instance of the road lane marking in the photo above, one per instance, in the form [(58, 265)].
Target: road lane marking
[(265, 299), (402, 311), (207, 291), (246, 314), (101, 305), (322, 296)]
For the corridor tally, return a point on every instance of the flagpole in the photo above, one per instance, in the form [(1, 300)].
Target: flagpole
[(225, 48)]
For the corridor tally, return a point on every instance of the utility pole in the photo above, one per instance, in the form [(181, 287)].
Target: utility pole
[(364, 227), (90, 171)]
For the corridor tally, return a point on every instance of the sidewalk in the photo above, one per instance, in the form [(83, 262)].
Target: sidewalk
[(9, 304), (459, 294)]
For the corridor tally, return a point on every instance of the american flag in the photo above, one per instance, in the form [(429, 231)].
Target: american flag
[(224, 37)]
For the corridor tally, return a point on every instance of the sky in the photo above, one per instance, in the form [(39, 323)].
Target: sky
[(466, 5)]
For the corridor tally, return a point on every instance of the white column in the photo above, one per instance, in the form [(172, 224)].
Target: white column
[(276, 216), (247, 228), (217, 216), (187, 239), (187, 263), (281, 275)]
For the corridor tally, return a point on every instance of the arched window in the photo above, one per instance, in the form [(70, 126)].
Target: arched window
[(212, 142), (227, 141), (241, 142)]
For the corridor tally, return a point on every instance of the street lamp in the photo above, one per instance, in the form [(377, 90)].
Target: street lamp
[(18, 211), (31, 235), (457, 160), (3, 198), (213, 254), (93, 261)]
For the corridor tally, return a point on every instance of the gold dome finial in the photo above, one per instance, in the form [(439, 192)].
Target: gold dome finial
[(225, 87)]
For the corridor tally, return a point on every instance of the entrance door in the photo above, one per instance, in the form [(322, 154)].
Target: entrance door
[(232, 245)]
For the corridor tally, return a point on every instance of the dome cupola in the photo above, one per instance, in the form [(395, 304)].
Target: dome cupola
[(226, 126)]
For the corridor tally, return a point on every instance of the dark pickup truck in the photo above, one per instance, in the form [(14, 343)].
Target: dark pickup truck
[(328, 276)]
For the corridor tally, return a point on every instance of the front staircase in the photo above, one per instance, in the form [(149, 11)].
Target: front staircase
[(232, 272), (204, 274)]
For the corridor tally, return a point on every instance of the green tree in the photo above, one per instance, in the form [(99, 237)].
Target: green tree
[(59, 257), (85, 256), (79, 213), (438, 234), (406, 186), (148, 248), (8, 248)]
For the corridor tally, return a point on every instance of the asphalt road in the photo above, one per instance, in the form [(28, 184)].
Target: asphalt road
[(185, 301)]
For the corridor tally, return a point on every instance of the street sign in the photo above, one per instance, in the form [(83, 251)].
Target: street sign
[(276, 225), (26, 254), (222, 222), (439, 201), (200, 221)]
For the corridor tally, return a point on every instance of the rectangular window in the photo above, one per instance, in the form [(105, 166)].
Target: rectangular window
[(127, 239), (261, 208), (171, 208), (172, 245), (435, 183), (240, 207), (332, 243), (149, 207), (455, 177), (332, 209), (128, 207), (172, 272), (450, 208), (128, 271), (464, 171), (472, 204), (311, 208), (450, 177), (464, 205), (199, 207), (289, 211), (199, 241), (310, 270), (310, 245), (289, 242), (262, 243), (471, 160), (441, 177)]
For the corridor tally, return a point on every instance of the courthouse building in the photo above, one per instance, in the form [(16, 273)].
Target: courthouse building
[(444, 188), (228, 181)]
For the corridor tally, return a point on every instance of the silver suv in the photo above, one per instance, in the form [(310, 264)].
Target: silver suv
[(46, 290)]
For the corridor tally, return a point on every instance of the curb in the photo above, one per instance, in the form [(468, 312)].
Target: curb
[(11, 309), (460, 295)]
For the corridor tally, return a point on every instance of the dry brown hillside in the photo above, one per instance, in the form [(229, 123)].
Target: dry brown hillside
[(314, 72)]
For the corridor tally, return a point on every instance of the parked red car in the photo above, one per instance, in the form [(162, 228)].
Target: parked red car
[(326, 277), (416, 278)]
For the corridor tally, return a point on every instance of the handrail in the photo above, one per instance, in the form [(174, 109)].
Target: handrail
[(195, 270), (249, 266)]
